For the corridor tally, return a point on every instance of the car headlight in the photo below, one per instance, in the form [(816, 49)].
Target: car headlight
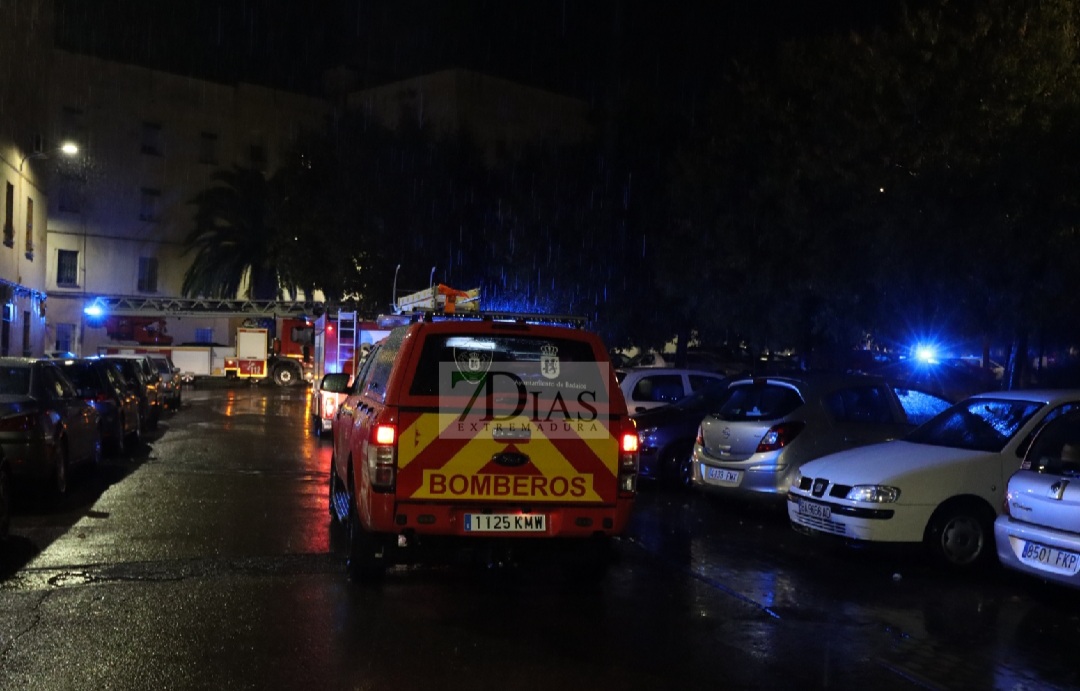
[(796, 479), (875, 494)]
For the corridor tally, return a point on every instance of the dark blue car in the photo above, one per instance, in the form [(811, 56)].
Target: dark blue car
[(667, 433)]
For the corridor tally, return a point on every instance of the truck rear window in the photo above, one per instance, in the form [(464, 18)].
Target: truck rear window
[(527, 356)]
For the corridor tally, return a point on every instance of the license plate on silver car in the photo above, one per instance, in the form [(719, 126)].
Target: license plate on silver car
[(722, 475), (1054, 559)]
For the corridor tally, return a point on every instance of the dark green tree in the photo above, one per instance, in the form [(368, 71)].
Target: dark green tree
[(236, 237)]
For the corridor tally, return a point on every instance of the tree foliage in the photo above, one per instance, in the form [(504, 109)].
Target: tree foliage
[(919, 175)]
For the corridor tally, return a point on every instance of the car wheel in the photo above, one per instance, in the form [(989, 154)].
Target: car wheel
[(116, 439), (365, 563), (133, 439), (285, 376), (332, 490), (677, 467), (95, 449), (61, 471), (961, 535), (5, 501)]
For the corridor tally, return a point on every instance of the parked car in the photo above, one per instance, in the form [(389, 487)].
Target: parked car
[(101, 384), (768, 427), (942, 485), (140, 373), (45, 426), (169, 374), (727, 361), (667, 433), (6, 498), (652, 387), (1039, 532)]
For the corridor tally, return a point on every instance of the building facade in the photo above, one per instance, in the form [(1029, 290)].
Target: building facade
[(111, 220)]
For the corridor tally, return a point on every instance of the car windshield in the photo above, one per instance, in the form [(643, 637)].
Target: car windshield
[(981, 424), (1056, 449), (14, 381)]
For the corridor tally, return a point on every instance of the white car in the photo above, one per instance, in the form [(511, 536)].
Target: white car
[(1039, 533), (942, 485), (651, 387)]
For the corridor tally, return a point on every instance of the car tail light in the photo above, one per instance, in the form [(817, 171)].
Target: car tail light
[(18, 423), (628, 458), (779, 436), (382, 456)]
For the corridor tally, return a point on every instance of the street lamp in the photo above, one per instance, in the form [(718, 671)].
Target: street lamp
[(393, 306), (67, 148)]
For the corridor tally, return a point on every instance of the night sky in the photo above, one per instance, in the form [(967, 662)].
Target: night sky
[(577, 47)]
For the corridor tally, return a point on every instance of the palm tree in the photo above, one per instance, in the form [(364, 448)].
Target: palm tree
[(236, 236)]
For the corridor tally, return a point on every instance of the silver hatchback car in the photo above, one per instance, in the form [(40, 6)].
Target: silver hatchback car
[(768, 427), (1039, 533)]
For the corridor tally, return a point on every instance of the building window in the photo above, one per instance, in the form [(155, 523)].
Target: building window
[(26, 334), (65, 338), (151, 139), (148, 269), (9, 216), (29, 228), (208, 144), (204, 335), (67, 268), (68, 194), (150, 201), (257, 156)]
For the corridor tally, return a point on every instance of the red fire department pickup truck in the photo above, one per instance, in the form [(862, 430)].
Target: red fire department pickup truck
[(483, 431)]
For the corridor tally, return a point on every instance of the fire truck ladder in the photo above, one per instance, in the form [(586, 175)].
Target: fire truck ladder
[(195, 307), (346, 339)]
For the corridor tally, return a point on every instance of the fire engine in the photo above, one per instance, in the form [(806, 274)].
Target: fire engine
[(340, 343), (285, 358)]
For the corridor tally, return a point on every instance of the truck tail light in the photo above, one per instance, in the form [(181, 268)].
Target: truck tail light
[(628, 459), (382, 457), (780, 436)]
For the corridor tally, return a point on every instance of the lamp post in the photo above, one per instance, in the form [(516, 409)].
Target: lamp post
[(67, 148), (393, 305)]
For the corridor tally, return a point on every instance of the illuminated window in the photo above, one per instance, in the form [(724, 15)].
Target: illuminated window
[(67, 268), (65, 338)]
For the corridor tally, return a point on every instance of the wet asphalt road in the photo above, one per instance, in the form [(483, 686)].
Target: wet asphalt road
[(207, 561)]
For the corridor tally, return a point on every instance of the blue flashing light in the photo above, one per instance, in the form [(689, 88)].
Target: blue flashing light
[(926, 354), (94, 310)]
